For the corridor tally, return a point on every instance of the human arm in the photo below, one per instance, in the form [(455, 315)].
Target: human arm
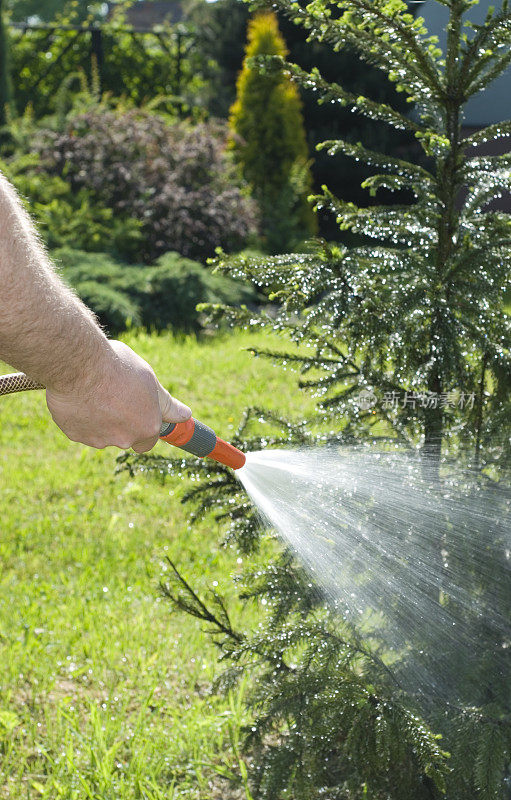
[(98, 391)]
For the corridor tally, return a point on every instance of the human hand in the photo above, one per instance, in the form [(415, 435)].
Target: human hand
[(118, 402)]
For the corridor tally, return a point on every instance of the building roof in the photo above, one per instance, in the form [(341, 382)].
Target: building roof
[(147, 13)]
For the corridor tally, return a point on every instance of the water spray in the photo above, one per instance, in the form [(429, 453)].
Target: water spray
[(192, 436), (418, 567)]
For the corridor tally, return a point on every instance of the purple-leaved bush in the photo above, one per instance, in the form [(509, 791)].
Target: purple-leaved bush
[(176, 179)]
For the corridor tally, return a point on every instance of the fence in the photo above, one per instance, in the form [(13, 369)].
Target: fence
[(73, 46)]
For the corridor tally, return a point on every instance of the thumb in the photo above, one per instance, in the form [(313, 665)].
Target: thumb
[(172, 410)]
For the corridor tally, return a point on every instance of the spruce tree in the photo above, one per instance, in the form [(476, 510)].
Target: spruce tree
[(268, 140), (413, 310), (419, 306)]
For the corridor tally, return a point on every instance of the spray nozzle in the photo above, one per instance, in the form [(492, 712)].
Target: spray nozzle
[(200, 440)]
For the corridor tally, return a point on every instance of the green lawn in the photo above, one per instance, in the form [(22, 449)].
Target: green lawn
[(103, 692)]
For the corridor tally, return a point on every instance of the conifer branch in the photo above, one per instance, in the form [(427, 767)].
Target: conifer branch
[(308, 360), (404, 169), (333, 91), (192, 604), (407, 37), (487, 36), (399, 224), (481, 164), (489, 134), (356, 647), (373, 45), (489, 75)]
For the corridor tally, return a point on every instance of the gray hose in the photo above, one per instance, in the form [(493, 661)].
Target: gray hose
[(17, 382)]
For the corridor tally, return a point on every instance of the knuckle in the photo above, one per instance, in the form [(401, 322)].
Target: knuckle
[(123, 444), (140, 448), (98, 444), (151, 375), (121, 438), (144, 445)]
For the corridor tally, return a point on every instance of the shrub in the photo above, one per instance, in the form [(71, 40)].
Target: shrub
[(175, 180), (111, 289), (176, 285), (114, 309), (76, 221), (78, 266), (268, 140), (164, 295), (68, 218)]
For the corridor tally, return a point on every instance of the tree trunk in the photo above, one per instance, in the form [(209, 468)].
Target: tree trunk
[(447, 178), (434, 426)]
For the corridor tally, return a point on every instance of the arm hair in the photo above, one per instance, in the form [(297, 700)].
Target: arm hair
[(45, 330)]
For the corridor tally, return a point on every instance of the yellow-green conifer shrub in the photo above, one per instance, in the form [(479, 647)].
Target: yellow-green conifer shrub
[(269, 142)]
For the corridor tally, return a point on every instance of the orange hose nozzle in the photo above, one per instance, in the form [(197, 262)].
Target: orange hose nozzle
[(197, 438)]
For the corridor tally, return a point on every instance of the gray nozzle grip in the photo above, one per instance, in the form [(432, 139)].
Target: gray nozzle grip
[(166, 428), (202, 442)]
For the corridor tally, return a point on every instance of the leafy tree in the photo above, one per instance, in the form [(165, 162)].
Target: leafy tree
[(48, 10), (49, 67), (414, 307), (5, 70), (268, 140)]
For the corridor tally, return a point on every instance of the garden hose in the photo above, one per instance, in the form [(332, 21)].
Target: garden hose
[(192, 435)]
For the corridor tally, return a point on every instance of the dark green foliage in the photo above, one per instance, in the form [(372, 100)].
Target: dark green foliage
[(158, 297), (221, 32), (416, 306), (134, 67), (174, 180), (47, 10), (5, 69), (176, 285), (114, 309), (113, 290)]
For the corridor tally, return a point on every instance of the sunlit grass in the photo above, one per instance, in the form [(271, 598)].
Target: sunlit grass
[(103, 692)]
